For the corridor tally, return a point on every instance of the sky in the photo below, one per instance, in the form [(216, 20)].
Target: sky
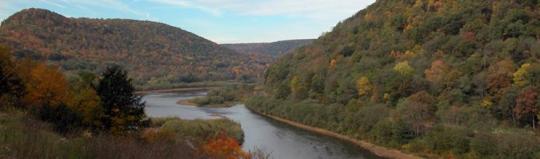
[(222, 21)]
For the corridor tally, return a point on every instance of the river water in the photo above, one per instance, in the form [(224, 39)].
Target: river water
[(281, 141)]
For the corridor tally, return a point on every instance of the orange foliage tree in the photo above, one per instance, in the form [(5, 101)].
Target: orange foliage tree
[(224, 147), (437, 72), (500, 77), (45, 86)]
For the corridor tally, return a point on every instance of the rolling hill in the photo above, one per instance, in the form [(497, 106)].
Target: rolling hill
[(154, 53), (439, 78), (273, 49)]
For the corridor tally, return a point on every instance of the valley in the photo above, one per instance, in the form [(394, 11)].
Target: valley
[(397, 79)]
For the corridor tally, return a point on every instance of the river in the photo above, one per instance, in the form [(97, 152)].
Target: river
[(281, 141)]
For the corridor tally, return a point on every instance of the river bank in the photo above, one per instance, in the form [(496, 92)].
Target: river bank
[(375, 149), (193, 102), (261, 133), (175, 90)]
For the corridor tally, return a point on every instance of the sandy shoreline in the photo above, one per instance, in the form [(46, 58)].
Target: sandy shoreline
[(377, 150)]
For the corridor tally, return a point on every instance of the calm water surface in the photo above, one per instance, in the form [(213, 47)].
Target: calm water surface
[(280, 140)]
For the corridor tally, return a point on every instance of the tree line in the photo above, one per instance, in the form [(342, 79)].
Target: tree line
[(84, 101)]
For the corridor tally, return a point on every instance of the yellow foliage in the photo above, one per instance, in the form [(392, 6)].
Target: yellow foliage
[(386, 97), (487, 102), (410, 54), (363, 86), (86, 101), (404, 68), (520, 76)]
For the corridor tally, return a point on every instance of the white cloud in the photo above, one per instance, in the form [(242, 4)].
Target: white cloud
[(53, 3), (318, 15), (318, 9), (117, 5)]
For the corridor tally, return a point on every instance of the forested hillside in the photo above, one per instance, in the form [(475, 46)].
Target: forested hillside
[(155, 53), (440, 78), (273, 49)]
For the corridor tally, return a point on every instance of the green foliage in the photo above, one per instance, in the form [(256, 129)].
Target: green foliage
[(123, 110), (200, 131), (63, 118), (224, 96), (21, 136), (274, 49), (454, 140), (404, 68), (445, 72)]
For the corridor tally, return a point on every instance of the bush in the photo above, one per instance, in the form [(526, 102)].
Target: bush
[(63, 118), (199, 131), (24, 137), (446, 139), (390, 133)]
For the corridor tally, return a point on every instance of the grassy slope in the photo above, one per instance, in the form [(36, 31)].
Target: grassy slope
[(21, 136)]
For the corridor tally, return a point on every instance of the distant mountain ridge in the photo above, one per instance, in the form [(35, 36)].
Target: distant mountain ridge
[(155, 53), (273, 49)]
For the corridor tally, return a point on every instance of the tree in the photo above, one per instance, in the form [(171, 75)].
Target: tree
[(527, 74), (11, 84), (499, 77), (527, 108), (298, 89), (224, 147), (86, 101), (404, 69), (418, 110), (46, 86), (520, 76), (123, 110), (437, 72), (363, 86), (317, 86)]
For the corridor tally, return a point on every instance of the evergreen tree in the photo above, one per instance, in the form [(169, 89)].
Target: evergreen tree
[(123, 110)]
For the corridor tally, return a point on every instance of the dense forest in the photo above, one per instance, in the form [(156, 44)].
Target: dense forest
[(439, 78), (273, 49), (154, 53)]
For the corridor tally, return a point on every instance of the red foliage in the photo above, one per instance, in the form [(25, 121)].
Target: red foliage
[(526, 106), (224, 147)]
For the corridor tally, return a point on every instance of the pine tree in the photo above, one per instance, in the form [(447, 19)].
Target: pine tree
[(123, 110)]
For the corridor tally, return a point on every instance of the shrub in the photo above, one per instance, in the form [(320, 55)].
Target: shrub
[(202, 130), (447, 139)]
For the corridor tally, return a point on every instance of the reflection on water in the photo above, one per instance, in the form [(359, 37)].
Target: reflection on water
[(280, 140)]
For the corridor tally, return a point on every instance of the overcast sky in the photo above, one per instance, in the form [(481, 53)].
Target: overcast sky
[(222, 21)]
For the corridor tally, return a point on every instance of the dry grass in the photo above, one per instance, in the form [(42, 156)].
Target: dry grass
[(23, 137)]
